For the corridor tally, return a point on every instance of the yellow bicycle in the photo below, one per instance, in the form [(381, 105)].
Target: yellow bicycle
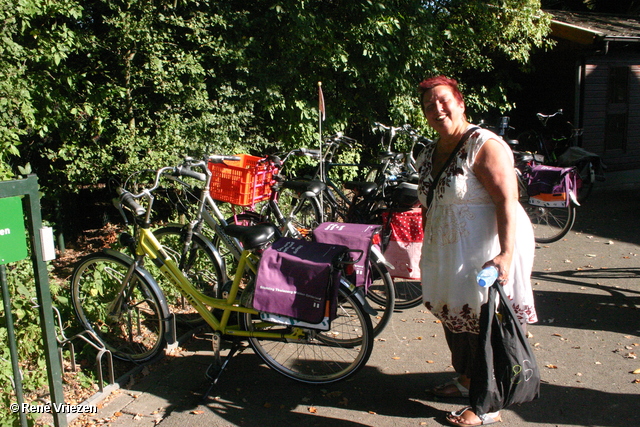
[(116, 298)]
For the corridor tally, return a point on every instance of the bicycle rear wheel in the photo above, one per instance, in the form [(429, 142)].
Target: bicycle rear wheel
[(551, 224), (319, 357), (197, 262), (408, 293), (128, 318)]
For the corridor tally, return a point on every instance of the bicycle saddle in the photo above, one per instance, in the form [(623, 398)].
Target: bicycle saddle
[(252, 236), (315, 187), (522, 157), (361, 188)]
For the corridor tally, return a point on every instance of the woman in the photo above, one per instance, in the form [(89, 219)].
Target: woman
[(472, 219)]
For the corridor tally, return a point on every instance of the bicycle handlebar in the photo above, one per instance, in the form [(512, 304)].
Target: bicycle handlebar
[(128, 200), (406, 128), (185, 170), (544, 117)]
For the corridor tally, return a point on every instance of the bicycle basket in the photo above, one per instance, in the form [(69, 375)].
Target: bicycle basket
[(242, 182)]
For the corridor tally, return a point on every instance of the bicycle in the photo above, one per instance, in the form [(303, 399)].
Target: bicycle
[(116, 298), (551, 220), (177, 238), (555, 141), (390, 181)]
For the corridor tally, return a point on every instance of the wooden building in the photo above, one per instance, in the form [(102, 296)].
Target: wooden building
[(593, 74)]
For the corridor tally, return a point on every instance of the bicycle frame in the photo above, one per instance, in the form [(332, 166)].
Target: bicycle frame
[(148, 245)]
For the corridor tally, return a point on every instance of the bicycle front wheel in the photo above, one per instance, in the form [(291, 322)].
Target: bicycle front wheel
[(127, 317), (318, 357), (551, 224)]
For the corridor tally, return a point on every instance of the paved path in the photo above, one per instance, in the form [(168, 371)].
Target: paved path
[(587, 290)]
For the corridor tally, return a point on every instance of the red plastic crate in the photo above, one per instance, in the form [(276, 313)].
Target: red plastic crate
[(242, 182)]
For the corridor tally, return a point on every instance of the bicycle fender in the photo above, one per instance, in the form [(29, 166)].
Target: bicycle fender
[(380, 257), (170, 332), (357, 292)]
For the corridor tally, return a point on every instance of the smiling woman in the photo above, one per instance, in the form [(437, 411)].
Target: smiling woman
[(472, 220)]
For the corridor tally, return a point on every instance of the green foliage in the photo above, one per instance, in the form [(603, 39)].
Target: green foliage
[(26, 319), (99, 88)]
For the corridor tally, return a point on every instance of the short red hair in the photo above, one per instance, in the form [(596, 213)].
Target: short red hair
[(431, 82)]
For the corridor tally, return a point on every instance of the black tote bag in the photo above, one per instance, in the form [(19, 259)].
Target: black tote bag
[(506, 369)]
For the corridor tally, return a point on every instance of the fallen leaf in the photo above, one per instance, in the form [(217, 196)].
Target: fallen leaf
[(430, 361), (313, 409)]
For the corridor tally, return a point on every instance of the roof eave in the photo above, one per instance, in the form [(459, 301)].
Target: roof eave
[(574, 33)]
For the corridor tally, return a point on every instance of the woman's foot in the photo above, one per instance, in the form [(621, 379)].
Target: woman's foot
[(465, 417), (459, 387)]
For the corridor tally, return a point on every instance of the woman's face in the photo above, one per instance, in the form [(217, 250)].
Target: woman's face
[(443, 111)]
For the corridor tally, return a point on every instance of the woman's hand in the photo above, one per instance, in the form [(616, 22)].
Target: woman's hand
[(503, 263)]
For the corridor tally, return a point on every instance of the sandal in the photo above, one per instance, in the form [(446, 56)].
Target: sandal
[(456, 419), (459, 391)]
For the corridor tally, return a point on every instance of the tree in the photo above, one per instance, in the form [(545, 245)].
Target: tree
[(107, 87)]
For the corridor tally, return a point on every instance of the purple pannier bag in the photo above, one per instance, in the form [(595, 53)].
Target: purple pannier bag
[(354, 236), (299, 279), (552, 186)]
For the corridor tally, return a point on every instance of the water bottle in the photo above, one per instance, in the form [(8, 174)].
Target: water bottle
[(487, 276)]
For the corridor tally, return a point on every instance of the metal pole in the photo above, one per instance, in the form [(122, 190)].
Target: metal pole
[(13, 349)]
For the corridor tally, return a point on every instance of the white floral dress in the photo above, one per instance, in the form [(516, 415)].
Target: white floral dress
[(461, 234)]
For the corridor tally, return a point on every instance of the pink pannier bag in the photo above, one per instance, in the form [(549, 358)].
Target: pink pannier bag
[(299, 279), (404, 248), (354, 236)]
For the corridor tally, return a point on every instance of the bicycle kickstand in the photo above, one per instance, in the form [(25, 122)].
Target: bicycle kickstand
[(214, 371)]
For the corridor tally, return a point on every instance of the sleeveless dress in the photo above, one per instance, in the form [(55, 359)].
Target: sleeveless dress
[(461, 234)]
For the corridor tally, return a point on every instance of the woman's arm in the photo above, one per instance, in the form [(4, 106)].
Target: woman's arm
[(494, 169)]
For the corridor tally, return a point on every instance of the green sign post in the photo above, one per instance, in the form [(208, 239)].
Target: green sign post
[(20, 201), (13, 240)]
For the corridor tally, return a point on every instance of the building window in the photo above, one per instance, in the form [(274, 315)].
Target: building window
[(617, 109), (618, 85)]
